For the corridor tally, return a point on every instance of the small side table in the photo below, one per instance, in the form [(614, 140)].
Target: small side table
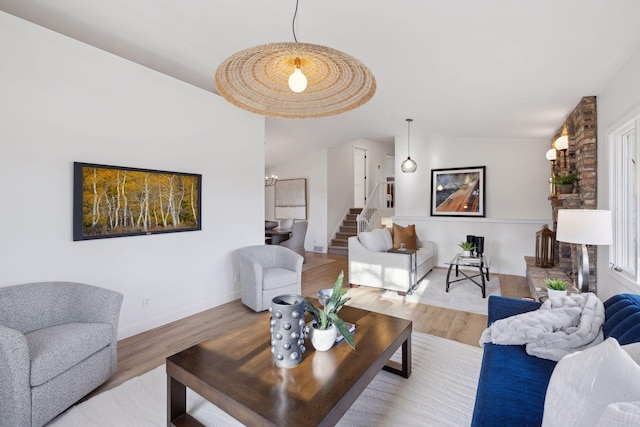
[(413, 273), (482, 263)]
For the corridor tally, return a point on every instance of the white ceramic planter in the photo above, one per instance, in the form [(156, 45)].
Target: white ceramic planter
[(552, 293), (466, 253), (323, 340)]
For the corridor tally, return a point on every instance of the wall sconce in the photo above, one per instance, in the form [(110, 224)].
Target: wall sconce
[(270, 181), (562, 144), (551, 156)]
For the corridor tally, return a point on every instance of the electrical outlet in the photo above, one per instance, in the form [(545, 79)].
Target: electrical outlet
[(146, 302)]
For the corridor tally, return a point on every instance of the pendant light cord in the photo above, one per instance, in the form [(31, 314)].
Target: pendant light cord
[(409, 137), (293, 22)]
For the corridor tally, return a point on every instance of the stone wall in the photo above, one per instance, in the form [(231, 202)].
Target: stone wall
[(581, 128)]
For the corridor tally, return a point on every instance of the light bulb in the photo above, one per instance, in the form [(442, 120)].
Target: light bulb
[(409, 165), (297, 81)]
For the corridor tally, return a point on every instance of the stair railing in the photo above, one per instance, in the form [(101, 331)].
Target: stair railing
[(380, 198)]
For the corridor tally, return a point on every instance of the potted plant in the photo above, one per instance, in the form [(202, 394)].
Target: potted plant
[(466, 247), (326, 322), (555, 287), (565, 182)]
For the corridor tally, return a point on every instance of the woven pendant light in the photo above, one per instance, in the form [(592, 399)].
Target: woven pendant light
[(258, 80)]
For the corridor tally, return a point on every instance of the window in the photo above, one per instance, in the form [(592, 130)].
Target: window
[(624, 199)]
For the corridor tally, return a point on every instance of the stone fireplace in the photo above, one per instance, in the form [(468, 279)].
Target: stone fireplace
[(581, 159)]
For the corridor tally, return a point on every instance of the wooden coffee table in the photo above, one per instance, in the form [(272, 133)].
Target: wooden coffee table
[(236, 372)]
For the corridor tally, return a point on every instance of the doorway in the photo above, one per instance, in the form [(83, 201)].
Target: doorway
[(359, 177)]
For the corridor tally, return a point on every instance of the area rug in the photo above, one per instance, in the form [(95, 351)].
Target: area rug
[(440, 392), (463, 295), (315, 262)]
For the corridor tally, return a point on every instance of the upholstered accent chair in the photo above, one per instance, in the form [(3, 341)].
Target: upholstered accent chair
[(57, 343), (286, 224), (298, 234), (267, 271)]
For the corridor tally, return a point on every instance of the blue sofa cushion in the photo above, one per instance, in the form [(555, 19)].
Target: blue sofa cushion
[(622, 314), (511, 388), (510, 380)]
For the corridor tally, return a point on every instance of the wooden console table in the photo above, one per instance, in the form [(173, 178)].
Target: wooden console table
[(536, 276)]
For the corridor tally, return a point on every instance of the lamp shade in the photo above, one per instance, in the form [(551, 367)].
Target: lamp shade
[(551, 154), (584, 226), (325, 81), (562, 143)]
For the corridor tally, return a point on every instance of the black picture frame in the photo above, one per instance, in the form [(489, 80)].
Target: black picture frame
[(458, 192), (118, 201)]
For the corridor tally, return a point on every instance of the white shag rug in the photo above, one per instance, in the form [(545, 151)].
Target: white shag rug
[(440, 392), (463, 296)]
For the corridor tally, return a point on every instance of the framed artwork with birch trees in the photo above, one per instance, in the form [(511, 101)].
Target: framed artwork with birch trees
[(114, 201)]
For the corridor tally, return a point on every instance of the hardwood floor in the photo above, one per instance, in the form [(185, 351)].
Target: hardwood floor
[(145, 351)]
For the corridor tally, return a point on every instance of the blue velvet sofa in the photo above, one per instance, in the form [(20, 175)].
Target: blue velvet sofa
[(512, 384)]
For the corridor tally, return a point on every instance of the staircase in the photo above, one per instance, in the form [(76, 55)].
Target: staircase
[(349, 227)]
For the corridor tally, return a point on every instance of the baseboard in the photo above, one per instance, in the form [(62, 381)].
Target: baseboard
[(165, 318)]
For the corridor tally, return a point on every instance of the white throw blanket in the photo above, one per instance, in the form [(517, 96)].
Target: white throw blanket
[(559, 327)]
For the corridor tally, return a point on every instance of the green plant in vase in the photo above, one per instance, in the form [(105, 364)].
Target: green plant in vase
[(466, 246), (555, 284), (324, 318), (568, 179)]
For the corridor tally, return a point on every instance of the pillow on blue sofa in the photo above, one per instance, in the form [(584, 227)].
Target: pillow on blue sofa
[(620, 414), (584, 383), (633, 350)]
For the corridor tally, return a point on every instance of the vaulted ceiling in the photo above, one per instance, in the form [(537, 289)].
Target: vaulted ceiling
[(491, 68)]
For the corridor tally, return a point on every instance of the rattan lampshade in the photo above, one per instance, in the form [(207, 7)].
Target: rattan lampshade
[(256, 79)]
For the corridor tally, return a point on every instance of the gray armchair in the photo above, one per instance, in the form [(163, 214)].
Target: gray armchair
[(298, 234), (57, 343), (267, 271)]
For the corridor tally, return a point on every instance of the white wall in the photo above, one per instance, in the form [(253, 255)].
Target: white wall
[(616, 102), (340, 184), (313, 167), (517, 191), (63, 101)]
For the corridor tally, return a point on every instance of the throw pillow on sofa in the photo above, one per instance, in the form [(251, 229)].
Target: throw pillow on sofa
[(378, 240), (406, 235), (585, 383), (621, 414)]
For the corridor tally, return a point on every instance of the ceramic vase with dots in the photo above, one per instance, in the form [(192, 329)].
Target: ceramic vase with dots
[(287, 330)]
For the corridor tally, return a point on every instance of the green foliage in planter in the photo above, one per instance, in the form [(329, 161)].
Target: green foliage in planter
[(324, 318), (466, 246), (565, 179), (555, 284)]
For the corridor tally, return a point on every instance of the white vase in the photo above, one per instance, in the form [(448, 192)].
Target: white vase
[(552, 293), (466, 253), (323, 339)]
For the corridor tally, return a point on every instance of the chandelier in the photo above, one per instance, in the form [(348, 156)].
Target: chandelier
[(294, 80)]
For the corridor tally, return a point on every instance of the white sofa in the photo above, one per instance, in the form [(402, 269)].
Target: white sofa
[(371, 265)]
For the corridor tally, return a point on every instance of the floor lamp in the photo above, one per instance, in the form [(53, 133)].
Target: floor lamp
[(584, 227)]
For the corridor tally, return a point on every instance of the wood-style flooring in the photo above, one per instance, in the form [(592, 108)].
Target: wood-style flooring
[(143, 352)]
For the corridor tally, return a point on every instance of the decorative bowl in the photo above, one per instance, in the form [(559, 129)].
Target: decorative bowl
[(324, 295)]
